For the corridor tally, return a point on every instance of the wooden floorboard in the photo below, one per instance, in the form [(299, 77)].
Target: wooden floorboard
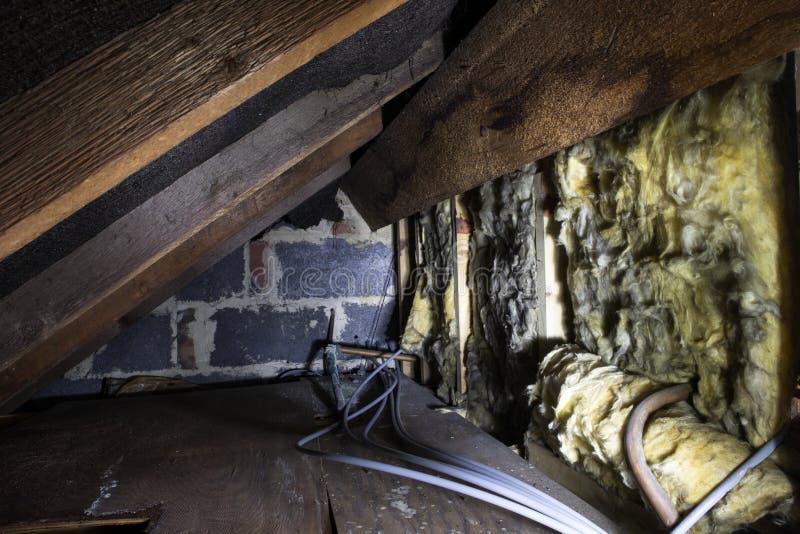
[(93, 123), (389, 503), (70, 309), (535, 77), (224, 461), (213, 461)]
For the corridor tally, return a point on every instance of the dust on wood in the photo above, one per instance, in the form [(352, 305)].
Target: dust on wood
[(77, 304), (225, 460), (88, 127), (535, 77)]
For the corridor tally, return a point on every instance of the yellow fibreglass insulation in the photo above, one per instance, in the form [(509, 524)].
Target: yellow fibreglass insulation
[(581, 407), (674, 226), (675, 230)]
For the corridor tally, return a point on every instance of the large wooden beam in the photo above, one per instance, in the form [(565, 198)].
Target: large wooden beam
[(57, 317), (88, 127), (535, 77)]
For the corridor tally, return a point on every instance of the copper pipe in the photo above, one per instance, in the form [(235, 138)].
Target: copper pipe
[(371, 353), (634, 450)]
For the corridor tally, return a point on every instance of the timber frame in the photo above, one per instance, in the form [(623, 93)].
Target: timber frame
[(223, 180), (535, 77)]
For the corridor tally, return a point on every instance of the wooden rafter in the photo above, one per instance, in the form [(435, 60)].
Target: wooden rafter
[(535, 77), (59, 316), (91, 125)]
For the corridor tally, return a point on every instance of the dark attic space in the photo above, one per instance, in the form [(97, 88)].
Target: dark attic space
[(394, 266)]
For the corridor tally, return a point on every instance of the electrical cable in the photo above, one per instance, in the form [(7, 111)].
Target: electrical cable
[(531, 497), (493, 486), (430, 479), (558, 516), (510, 483), (728, 484), (300, 372), (477, 479)]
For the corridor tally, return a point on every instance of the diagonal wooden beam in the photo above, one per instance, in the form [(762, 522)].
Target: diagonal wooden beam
[(535, 77), (91, 125), (59, 316)]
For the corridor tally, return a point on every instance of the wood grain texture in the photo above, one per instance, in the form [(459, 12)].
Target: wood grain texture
[(535, 77), (41, 38), (81, 132), (224, 461), (74, 306), (376, 48)]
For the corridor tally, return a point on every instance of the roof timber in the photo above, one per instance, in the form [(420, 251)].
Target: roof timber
[(535, 77), (62, 314), (87, 128)]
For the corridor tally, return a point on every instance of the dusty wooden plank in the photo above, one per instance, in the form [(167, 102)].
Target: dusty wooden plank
[(375, 48), (388, 503), (85, 129), (630, 516), (224, 461), (204, 461), (535, 77), (52, 321)]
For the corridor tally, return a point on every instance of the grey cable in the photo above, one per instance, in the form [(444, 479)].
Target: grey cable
[(456, 472), (510, 483), (728, 484), (424, 477), (565, 520), (477, 479)]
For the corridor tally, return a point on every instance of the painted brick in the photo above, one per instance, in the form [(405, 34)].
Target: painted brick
[(145, 346), (223, 280), (247, 336), (341, 227), (186, 350), (362, 319), (332, 269)]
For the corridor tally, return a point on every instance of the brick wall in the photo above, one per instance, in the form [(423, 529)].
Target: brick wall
[(260, 310)]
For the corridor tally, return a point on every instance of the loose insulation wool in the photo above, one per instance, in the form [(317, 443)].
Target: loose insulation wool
[(502, 350), (431, 331), (581, 407), (674, 227)]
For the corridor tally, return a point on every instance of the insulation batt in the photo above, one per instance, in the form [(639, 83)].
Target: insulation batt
[(581, 407), (431, 330), (673, 226), (502, 350)]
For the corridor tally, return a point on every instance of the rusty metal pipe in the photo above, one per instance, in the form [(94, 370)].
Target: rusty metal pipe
[(371, 353), (634, 450)]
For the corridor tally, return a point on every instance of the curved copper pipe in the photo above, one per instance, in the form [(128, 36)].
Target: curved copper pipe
[(652, 490)]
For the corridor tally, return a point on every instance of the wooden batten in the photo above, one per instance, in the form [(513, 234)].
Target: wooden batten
[(94, 123), (61, 315)]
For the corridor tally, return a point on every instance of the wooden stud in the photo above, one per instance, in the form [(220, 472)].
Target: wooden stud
[(403, 263)]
